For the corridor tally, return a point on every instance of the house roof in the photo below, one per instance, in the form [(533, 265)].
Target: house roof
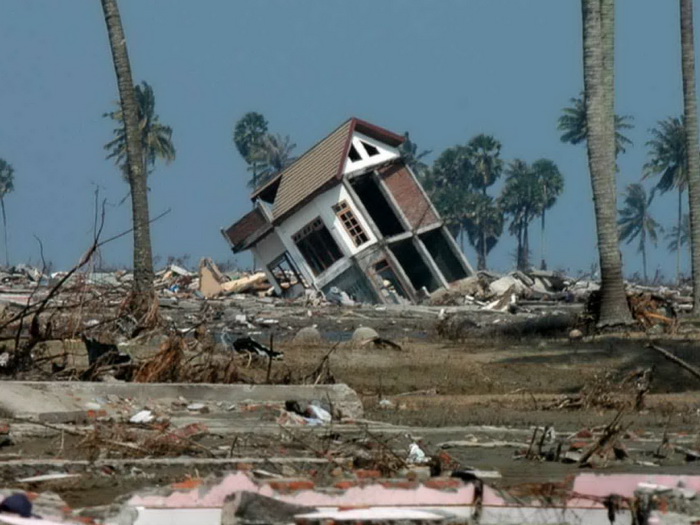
[(320, 166), (247, 230)]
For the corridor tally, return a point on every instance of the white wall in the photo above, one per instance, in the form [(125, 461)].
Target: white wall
[(322, 206), (386, 153), (269, 249)]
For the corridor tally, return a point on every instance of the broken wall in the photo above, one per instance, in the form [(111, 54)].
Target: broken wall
[(409, 196)]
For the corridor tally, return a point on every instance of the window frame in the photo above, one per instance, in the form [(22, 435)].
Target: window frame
[(353, 226)]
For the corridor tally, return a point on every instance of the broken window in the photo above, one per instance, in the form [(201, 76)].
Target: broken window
[(317, 246), (371, 150), (353, 154), (286, 273), (352, 225)]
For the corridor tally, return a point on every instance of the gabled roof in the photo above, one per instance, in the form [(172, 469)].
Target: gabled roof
[(320, 166)]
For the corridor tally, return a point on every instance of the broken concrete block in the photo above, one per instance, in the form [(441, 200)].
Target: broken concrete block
[(249, 507), (364, 333), (505, 283), (308, 335)]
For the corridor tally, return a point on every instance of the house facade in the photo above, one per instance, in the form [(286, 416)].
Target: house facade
[(350, 214)]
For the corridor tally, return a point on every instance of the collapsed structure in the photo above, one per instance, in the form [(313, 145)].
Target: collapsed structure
[(350, 214)]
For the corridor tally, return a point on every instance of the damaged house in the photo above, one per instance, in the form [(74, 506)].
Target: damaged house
[(350, 214)]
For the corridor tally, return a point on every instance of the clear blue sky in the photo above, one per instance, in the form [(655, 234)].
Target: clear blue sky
[(444, 70)]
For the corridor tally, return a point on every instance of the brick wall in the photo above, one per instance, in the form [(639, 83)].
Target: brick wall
[(408, 195)]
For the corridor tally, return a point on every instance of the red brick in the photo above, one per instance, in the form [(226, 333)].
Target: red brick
[(399, 484), (292, 485), (443, 483), (346, 484), (408, 195), (364, 474)]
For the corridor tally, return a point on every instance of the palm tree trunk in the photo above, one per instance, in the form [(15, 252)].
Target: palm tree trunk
[(690, 119), (643, 247), (4, 228), (143, 260), (598, 47), (526, 246), (678, 236), (482, 250), (543, 264)]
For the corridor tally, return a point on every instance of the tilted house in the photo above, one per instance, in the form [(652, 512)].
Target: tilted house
[(350, 214)]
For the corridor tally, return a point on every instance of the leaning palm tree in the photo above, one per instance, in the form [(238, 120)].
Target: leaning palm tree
[(272, 155), (572, 124), (156, 138), (599, 90), (551, 183), (7, 185), (636, 221), (668, 160), (143, 297), (247, 135), (690, 120), (677, 238)]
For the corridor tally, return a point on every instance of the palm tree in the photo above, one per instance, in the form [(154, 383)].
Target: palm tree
[(271, 156), (484, 153), (156, 138), (551, 183), (521, 200), (247, 134), (572, 124), (636, 221), (679, 236), (7, 185), (599, 89), (143, 299), (690, 119), (483, 222), (668, 159), (414, 160)]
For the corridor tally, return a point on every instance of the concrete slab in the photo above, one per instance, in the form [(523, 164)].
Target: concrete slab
[(69, 401)]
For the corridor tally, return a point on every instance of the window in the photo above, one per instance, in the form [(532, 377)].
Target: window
[(286, 273), (354, 155), (371, 150), (317, 246), (352, 225)]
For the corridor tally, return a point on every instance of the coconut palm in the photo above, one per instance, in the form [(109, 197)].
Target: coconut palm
[(271, 156), (551, 183), (483, 222), (636, 221), (521, 201), (690, 120), (678, 237), (156, 138), (247, 134), (668, 160), (7, 185), (572, 124), (143, 294), (599, 92), (484, 155), (412, 158)]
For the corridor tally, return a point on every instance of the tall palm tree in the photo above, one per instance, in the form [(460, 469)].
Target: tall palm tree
[(156, 138), (668, 160), (551, 183), (599, 88), (143, 293), (636, 221), (483, 222), (572, 124), (413, 159), (271, 156), (521, 200), (7, 185), (247, 135), (690, 120), (679, 236), (484, 154)]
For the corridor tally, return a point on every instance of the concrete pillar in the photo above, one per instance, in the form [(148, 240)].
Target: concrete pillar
[(428, 259)]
